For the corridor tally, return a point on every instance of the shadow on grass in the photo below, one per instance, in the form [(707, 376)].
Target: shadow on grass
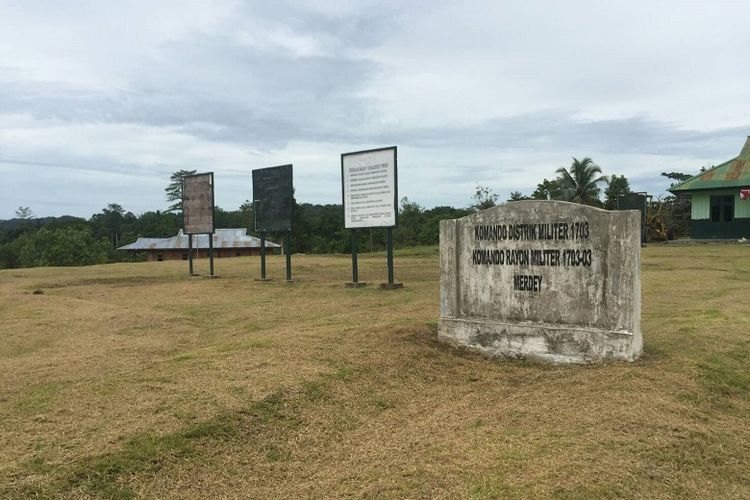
[(113, 280), (108, 475)]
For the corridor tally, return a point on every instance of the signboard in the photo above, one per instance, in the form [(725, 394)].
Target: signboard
[(369, 185), (273, 198), (550, 280), (198, 204), (635, 201)]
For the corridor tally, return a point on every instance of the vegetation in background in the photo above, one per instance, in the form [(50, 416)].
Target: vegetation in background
[(174, 189), (580, 183), (62, 247), (317, 228), (547, 190), (518, 196), (483, 198), (24, 213), (676, 209), (616, 186)]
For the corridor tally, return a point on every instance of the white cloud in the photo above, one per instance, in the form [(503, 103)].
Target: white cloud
[(102, 101)]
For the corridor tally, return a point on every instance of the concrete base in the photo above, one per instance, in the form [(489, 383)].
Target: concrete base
[(263, 279), (541, 342), (288, 281), (391, 286), (212, 276), (359, 284)]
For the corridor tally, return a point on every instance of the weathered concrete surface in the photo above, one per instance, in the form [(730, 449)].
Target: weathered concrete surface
[(549, 280)]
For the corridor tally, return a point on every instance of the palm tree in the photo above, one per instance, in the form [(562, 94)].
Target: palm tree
[(580, 184)]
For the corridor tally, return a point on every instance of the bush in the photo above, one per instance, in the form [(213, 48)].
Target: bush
[(62, 247)]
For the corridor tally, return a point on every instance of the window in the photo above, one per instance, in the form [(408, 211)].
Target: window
[(722, 208)]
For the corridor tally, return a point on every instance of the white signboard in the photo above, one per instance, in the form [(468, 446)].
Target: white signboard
[(370, 188), (198, 204)]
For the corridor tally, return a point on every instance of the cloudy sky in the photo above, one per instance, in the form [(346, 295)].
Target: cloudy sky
[(100, 101)]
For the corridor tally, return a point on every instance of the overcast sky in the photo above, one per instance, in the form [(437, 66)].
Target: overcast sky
[(100, 101)]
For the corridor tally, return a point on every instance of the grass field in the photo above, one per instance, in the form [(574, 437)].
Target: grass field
[(132, 380)]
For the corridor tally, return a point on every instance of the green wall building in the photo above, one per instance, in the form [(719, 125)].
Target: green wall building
[(720, 199)]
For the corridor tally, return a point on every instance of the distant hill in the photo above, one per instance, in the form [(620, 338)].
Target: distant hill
[(11, 224)]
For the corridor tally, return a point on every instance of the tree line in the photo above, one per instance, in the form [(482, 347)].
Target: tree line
[(27, 241), (64, 241)]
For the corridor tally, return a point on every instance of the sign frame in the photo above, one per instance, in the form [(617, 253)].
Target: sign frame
[(213, 203), (213, 225), (395, 186), (272, 229)]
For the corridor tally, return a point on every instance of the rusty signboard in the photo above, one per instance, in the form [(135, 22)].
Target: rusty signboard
[(198, 203)]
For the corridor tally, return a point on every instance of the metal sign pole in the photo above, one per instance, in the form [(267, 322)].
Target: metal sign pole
[(355, 267), (355, 264), (389, 242), (262, 256), (288, 252), (211, 255), (190, 253)]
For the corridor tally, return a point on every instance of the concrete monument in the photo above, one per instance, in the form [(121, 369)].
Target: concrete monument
[(547, 280)]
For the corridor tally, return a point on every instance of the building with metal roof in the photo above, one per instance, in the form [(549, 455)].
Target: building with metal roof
[(720, 199), (227, 243)]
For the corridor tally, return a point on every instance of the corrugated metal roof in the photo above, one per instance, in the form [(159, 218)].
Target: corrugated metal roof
[(733, 173), (223, 238)]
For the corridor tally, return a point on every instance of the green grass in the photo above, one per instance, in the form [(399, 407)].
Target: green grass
[(39, 399), (145, 454), (726, 375)]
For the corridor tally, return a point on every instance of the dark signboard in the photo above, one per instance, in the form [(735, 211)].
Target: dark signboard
[(635, 201), (273, 199), (198, 204)]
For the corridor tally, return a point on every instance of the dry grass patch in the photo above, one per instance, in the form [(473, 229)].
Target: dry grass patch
[(134, 380)]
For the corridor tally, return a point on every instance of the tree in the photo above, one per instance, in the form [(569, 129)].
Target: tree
[(158, 224), (114, 215), (676, 209), (24, 213), (518, 196), (580, 184), (248, 216), (483, 198), (174, 189), (10, 252), (109, 223), (410, 221), (63, 247), (676, 176), (617, 186), (547, 190)]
